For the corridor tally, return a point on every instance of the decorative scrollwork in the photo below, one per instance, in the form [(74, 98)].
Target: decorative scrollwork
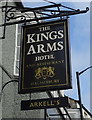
[(23, 17), (53, 13), (11, 14), (41, 13)]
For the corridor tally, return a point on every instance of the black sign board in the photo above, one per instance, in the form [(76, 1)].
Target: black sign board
[(45, 58), (44, 103)]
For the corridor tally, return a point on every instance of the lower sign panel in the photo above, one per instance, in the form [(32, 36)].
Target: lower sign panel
[(44, 103)]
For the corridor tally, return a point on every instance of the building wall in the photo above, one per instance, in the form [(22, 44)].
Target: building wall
[(11, 100), (91, 55), (0, 63)]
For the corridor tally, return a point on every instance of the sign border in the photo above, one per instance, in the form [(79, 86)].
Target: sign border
[(68, 85)]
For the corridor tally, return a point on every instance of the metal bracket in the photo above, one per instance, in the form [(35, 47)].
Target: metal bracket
[(15, 15)]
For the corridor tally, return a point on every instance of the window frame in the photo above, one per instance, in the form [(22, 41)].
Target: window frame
[(16, 49)]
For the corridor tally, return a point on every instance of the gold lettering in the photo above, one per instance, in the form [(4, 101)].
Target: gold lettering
[(35, 104), (31, 105), (40, 104), (48, 104), (44, 103), (52, 103), (58, 102)]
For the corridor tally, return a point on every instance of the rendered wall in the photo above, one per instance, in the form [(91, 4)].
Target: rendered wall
[(0, 63), (11, 107)]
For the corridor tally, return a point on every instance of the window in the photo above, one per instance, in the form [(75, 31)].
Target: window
[(17, 49), (17, 42)]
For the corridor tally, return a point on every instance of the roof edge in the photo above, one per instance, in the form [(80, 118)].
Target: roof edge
[(86, 110), (82, 106), (18, 3)]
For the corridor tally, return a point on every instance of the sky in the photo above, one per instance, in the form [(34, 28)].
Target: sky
[(80, 46)]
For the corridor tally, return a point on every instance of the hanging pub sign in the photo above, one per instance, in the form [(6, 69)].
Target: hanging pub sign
[(45, 58)]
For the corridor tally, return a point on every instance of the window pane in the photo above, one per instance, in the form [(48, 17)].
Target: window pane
[(17, 67), (18, 53), (17, 49), (19, 28), (18, 39)]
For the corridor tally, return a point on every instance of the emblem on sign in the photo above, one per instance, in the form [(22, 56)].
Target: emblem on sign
[(44, 72)]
